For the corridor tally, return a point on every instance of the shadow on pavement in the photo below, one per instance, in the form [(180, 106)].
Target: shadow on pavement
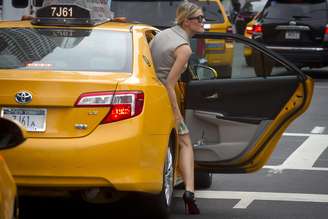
[(67, 208)]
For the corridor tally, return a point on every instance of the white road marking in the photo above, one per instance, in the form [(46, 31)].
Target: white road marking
[(321, 87), (246, 198), (304, 157), (318, 130), (298, 134)]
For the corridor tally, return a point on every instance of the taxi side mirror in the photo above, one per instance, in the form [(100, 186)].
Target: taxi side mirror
[(11, 134), (204, 72)]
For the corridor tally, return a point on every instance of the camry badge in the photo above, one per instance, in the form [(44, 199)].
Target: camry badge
[(23, 97)]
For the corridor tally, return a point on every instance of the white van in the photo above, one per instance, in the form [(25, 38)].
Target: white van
[(15, 9)]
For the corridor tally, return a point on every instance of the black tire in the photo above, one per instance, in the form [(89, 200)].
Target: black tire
[(160, 205), (203, 180)]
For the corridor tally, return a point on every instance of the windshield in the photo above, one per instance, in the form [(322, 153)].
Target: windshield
[(296, 9), (65, 50)]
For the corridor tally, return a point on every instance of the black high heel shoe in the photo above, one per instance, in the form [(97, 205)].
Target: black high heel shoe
[(190, 203)]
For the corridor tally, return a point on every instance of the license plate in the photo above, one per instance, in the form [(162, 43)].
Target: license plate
[(33, 119), (292, 35)]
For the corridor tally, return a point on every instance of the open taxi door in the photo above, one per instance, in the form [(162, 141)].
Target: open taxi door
[(236, 122)]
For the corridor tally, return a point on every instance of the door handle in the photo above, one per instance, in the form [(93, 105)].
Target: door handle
[(213, 96)]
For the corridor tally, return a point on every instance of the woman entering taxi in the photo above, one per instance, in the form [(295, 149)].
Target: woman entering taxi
[(171, 51)]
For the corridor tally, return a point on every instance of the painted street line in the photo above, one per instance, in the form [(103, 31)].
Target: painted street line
[(304, 157), (321, 87), (318, 130), (301, 134), (246, 198)]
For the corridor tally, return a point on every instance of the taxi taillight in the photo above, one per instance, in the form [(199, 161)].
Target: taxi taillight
[(122, 104), (326, 34)]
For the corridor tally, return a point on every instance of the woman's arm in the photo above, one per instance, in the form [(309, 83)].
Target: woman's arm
[(182, 55)]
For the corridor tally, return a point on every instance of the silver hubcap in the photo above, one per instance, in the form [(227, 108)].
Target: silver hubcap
[(168, 177)]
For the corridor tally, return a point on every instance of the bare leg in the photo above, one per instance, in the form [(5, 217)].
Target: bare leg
[(186, 164)]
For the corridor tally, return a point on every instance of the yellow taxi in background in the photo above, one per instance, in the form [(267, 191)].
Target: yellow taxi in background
[(99, 122), (11, 135), (217, 53)]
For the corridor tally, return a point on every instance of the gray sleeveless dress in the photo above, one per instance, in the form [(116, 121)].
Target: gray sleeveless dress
[(162, 48)]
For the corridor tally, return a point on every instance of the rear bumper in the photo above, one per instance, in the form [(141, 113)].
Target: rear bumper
[(117, 155), (304, 56)]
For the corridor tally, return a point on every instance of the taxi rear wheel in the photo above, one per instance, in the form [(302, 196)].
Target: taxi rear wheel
[(161, 203), (203, 180)]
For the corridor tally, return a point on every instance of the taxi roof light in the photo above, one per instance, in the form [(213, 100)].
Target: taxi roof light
[(73, 13)]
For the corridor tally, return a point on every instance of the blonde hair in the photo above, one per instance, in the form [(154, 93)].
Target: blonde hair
[(185, 10)]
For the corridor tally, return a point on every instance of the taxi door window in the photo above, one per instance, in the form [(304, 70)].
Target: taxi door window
[(235, 59)]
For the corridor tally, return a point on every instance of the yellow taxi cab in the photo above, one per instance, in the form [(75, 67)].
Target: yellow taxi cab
[(99, 122), (11, 134)]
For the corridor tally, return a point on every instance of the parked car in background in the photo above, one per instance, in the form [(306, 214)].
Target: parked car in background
[(247, 13), (11, 135), (298, 30)]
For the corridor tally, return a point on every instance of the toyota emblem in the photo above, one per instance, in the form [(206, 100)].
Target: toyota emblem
[(23, 97)]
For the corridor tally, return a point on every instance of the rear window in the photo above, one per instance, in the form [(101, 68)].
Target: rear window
[(254, 6), (66, 50), (296, 9)]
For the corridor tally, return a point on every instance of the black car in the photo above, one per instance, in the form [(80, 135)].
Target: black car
[(297, 29), (247, 13)]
